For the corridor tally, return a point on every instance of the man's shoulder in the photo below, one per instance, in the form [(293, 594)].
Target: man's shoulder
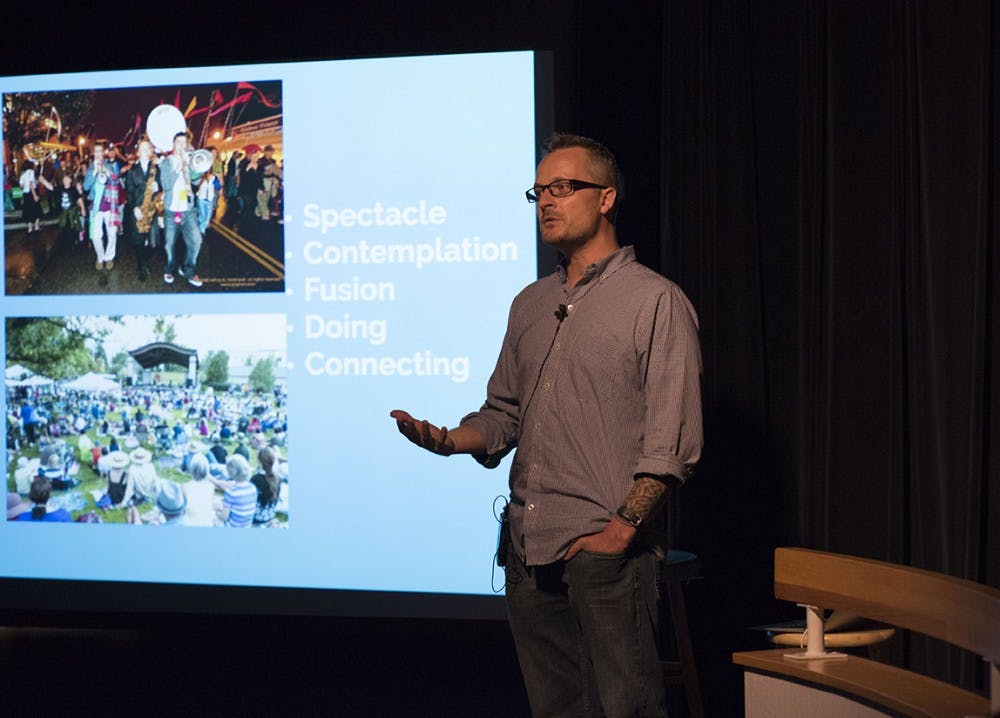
[(537, 290), (638, 283), (641, 278)]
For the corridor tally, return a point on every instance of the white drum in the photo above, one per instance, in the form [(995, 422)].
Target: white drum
[(163, 123)]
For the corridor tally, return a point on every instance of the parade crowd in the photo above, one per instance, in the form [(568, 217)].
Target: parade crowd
[(154, 200)]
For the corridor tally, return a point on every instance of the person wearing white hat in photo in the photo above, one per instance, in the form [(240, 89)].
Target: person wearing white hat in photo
[(145, 481), (191, 449), (120, 488)]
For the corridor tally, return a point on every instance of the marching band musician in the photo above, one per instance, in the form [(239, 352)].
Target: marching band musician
[(140, 188), (102, 183), (180, 212)]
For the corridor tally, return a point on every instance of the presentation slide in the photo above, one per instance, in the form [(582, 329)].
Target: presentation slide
[(218, 283)]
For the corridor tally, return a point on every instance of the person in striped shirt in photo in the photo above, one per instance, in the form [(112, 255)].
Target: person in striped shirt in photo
[(239, 500)]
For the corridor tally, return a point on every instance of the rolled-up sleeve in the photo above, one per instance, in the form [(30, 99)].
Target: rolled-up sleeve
[(499, 418), (667, 338)]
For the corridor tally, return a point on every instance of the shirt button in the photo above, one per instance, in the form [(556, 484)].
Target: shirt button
[(557, 345), (569, 307), (547, 384), (531, 507), (538, 425)]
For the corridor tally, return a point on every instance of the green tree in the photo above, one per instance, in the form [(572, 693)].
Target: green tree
[(27, 116), (216, 372), (101, 359), (262, 375), (56, 347), (164, 331), (118, 364)]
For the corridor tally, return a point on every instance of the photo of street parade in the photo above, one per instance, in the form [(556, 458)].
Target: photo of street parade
[(144, 190), (171, 420)]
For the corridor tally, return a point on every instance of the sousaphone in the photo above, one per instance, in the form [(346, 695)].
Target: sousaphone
[(162, 125)]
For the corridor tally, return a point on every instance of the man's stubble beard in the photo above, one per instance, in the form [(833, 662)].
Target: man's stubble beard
[(569, 239)]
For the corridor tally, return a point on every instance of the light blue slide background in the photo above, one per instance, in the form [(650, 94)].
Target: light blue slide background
[(367, 509)]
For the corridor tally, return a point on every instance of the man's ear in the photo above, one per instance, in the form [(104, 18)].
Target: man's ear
[(608, 197)]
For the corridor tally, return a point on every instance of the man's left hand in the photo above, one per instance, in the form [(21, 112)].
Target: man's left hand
[(615, 538)]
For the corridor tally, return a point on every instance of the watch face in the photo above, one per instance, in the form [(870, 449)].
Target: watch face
[(630, 517)]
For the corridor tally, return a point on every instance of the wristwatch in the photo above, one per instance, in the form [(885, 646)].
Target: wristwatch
[(630, 517)]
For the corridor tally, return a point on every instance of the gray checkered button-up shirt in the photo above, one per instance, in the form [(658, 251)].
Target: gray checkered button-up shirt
[(591, 396)]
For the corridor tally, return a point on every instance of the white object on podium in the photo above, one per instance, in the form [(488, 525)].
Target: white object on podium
[(815, 646)]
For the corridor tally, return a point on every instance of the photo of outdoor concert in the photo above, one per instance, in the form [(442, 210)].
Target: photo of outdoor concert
[(144, 190), (168, 420)]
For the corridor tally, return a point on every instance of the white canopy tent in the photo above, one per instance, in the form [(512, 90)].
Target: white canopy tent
[(18, 376), (93, 383), (17, 373), (36, 380)]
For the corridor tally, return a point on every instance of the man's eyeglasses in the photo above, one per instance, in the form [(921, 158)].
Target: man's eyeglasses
[(560, 188)]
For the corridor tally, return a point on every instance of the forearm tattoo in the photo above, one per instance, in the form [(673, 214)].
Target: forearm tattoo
[(646, 496)]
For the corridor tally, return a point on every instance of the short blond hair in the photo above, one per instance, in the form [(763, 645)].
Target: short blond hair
[(602, 162)]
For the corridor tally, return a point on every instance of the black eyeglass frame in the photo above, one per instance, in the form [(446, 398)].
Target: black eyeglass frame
[(534, 193)]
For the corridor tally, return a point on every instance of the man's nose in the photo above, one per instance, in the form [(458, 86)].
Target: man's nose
[(545, 199)]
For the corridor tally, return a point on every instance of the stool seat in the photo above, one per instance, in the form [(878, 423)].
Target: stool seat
[(679, 567)]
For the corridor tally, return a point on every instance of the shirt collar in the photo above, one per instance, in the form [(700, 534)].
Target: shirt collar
[(602, 268)]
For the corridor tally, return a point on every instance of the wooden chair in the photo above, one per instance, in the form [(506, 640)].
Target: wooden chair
[(788, 682)]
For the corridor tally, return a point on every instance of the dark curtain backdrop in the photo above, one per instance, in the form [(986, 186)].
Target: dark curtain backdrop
[(830, 204), (821, 177)]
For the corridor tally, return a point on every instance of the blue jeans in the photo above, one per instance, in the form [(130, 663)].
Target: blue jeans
[(205, 209), (586, 635), (192, 240)]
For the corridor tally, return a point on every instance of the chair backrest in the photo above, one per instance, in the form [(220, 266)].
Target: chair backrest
[(963, 613)]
